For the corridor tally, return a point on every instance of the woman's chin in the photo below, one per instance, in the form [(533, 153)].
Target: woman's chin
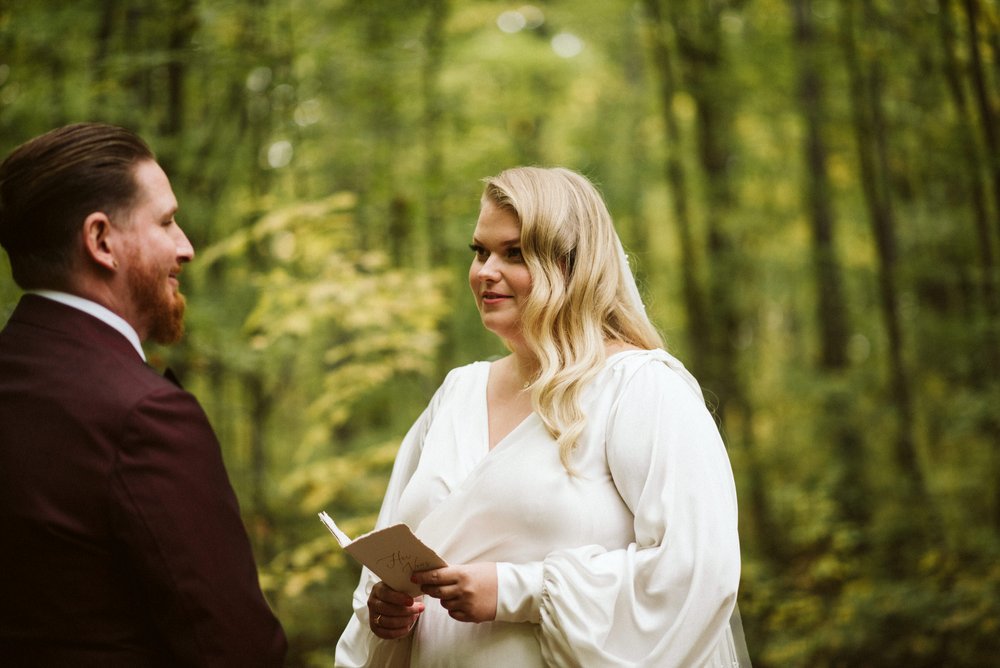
[(499, 326)]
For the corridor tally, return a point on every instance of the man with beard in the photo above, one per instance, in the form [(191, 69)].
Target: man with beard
[(123, 543)]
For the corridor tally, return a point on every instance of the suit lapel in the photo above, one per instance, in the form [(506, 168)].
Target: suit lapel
[(169, 374)]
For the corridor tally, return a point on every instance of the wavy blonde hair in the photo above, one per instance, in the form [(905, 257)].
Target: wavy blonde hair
[(583, 293)]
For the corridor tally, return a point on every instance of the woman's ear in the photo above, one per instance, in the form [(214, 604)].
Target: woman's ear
[(98, 241)]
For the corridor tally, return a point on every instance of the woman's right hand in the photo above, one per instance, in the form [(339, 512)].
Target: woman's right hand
[(391, 613)]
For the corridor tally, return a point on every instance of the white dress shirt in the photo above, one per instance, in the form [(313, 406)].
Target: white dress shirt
[(101, 313)]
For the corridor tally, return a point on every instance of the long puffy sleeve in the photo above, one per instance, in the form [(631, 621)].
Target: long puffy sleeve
[(665, 599)]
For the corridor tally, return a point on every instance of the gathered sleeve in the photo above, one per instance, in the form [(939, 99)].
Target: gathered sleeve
[(666, 598)]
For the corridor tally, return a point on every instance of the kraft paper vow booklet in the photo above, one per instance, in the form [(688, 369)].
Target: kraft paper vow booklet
[(392, 553)]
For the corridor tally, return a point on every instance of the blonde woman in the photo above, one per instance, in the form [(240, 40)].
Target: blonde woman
[(578, 486)]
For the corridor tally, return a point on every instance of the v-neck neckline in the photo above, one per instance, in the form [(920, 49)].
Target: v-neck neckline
[(486, 404), (486, 412)]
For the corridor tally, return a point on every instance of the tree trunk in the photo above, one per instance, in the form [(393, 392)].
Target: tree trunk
[(628, 178), (383, 130), (698, 330), (632, 186), (699, 42), (105, 27), (715, 322), (869, 128), (726, 322), (433, 116), (837, 423), (984, 104), (831, 313), (137, 78), (977, 188), (254, 381), (184, 22), (988, 122)]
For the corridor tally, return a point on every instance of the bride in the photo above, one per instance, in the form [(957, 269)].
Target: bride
[(578, 487)]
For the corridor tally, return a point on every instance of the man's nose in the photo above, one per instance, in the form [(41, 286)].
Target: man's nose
[(185, 250)]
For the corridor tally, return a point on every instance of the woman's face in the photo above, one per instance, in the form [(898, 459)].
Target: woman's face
[(498, 276)]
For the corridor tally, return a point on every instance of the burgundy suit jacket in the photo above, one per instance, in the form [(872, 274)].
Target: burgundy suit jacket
[(122, 539)]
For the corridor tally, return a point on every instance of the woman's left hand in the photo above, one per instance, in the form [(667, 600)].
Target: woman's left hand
[(468, 592)]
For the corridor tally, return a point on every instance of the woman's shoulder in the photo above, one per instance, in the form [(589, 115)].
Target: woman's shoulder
[(465, 374), (641, 367), (459, 383), (630, 357), (469, 368)]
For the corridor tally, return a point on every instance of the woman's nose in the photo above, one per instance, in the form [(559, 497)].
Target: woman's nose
[(489, 269)]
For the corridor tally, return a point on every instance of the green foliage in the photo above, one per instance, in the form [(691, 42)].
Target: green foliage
[(329, 312), (327, 157), (327, 327), (836, 608), (311, 581)]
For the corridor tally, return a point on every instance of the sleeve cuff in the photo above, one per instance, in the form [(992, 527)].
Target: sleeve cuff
[(519, 592)]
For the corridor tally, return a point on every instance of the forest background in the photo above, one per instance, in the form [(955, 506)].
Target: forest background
[(809, 191)]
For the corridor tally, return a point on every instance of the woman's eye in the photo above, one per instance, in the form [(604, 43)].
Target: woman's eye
[(479, 251), (514, 253)]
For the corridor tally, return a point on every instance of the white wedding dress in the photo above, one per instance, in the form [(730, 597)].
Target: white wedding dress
[(632, 561)]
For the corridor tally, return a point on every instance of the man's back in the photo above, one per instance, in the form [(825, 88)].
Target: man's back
[(124, 542)]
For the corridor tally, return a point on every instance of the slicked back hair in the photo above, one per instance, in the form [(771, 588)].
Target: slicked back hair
[(48, 187)]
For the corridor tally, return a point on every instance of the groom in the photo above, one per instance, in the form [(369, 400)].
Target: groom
[(122, 538)]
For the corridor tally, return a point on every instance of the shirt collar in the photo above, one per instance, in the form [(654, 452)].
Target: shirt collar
[(101, 313)]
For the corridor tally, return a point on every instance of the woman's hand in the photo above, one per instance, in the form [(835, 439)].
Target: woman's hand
[(391, 613), (468, 593)]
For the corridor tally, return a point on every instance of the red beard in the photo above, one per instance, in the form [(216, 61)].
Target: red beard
[(161, 311)]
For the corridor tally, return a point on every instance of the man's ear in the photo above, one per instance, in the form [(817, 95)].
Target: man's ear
[(98, 241)]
